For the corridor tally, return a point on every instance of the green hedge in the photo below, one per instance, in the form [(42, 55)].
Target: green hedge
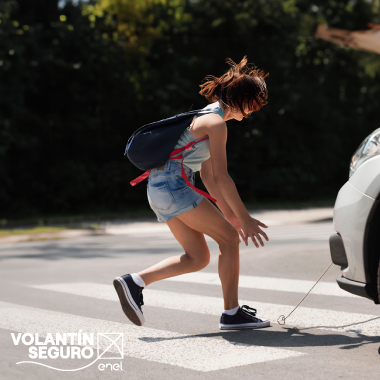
[(75, 89)]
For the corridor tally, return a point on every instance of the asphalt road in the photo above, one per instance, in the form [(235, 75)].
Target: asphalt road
[(65, 286)]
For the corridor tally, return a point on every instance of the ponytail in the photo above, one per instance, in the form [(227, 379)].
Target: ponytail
[(240, 87)]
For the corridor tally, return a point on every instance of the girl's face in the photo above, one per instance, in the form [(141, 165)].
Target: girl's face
[(237, 114)]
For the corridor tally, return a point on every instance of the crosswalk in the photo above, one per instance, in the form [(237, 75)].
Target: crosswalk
[(304, 317), (195, 298), (202, 353), (306, 232), (266, 283), (197, 353)]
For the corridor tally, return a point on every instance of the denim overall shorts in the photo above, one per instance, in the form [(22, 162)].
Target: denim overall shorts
[(168, 193)]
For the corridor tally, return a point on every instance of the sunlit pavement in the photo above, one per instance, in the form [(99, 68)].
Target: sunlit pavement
[(65, 286)]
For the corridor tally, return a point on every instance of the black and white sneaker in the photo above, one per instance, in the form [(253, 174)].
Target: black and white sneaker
[(131, 298), (245, 318)]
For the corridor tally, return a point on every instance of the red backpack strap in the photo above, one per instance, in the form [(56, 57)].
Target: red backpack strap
[(140, 178), (184, 176), (186, 147), (176, 154)]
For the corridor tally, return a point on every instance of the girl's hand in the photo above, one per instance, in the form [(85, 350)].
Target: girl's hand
[(251, 229), (234, 220)]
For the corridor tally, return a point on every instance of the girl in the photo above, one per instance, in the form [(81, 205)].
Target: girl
[(187, 212)]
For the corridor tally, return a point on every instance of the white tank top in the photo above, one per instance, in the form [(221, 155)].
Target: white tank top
[(200, 152)]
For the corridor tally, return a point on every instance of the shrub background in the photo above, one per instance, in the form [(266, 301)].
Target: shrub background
[(77, 81)]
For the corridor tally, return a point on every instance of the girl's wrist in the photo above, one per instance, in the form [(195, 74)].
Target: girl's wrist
[(245, 218)]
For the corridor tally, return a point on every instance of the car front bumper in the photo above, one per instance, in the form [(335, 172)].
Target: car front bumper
[(354, 287), (339, 257), (351, 212)]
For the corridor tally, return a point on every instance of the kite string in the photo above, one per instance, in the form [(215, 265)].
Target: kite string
[(281, 319)]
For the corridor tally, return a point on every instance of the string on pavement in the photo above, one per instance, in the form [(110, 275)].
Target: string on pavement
[(281, 319)]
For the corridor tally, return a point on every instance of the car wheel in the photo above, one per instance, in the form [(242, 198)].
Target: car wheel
[(378, 282), (372, 251)]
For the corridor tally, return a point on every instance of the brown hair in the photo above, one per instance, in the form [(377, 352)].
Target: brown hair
[(239, 87)]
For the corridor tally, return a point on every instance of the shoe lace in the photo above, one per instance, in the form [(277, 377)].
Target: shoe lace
[(249, 311), (141, 297)]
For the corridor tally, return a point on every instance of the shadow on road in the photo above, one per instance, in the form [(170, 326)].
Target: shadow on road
[(288, 337)]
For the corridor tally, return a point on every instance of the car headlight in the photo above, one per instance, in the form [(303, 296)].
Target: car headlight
[(368, 148)]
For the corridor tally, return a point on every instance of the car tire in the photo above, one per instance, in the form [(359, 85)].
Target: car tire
[(372, 251), (378, 282)]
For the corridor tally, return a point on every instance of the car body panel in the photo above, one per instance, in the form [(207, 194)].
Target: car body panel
[(367, 177), (351, 211)]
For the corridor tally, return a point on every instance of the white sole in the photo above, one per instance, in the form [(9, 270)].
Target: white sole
[(241, 326), (130, 309)]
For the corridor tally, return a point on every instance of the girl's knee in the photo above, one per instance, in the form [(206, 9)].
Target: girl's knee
[(205, 261), (231, 239), (199, 263)]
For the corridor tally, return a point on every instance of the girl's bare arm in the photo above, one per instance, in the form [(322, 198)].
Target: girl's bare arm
[(217, 132), (212, 188)]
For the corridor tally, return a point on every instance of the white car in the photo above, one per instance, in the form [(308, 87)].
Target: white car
[(356, 245)]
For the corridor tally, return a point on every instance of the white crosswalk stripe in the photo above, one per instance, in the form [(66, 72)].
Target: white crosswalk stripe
[(303, 317), (303, 232), (162, 235), (196, 353), (267, 283)]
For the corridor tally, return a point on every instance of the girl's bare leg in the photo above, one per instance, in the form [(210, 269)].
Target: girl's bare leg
[(196, 256), (188, 229)]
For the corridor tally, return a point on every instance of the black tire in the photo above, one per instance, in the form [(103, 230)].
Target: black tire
[(378, 283), (372, 252)]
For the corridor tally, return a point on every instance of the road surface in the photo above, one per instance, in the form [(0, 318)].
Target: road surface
[(65, 286)]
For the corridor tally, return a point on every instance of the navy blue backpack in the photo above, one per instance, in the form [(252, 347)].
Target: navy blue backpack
[(153, 144)]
